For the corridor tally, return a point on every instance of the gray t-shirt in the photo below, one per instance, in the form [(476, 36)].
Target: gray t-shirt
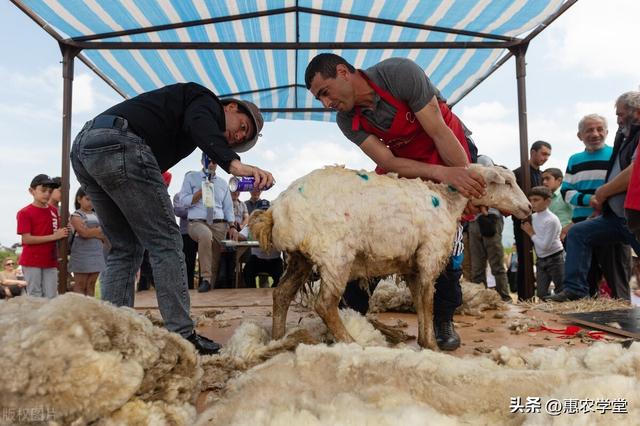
[(406, 81)]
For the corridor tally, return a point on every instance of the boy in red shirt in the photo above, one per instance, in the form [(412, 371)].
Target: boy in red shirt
[(38, 225)]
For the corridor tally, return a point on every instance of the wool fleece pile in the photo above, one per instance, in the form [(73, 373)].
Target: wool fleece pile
[(82, 361)]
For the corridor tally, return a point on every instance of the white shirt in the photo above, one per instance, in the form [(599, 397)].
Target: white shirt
[(546, 239)]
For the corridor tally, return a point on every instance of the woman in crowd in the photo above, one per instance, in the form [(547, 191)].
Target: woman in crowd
[(87, 245), (10, 285)]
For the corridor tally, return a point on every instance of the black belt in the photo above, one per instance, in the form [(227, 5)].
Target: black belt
[(109, 122), (204, 220), (552, 255)]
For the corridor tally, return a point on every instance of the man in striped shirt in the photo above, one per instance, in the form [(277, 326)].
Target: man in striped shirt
[(586, 172), (609, 227)]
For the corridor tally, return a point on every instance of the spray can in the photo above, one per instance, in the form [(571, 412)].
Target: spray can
[(243, 183)]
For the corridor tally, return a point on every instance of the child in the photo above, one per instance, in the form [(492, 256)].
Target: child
[(552, 179), (544, 231), (38, 225)]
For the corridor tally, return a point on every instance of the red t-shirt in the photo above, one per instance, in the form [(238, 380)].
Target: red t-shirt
[(632, 201), (38, 221)]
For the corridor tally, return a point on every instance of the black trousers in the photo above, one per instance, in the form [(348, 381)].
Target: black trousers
[(519, 237), (614, 262), (255, 266), (447, 297), (190, 250)]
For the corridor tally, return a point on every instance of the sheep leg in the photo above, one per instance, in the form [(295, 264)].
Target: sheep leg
[(414, 283), (297, 272), (331, 289), (426, 284), (426, 336)]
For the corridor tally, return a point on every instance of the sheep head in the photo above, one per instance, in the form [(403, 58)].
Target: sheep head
[(503, 192)]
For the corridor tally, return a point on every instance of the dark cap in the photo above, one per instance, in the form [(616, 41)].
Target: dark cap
[(253, 112), (44, 180), (263, 205)]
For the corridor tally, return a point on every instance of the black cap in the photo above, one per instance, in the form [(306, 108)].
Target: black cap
[(44, 180), (263, 205)]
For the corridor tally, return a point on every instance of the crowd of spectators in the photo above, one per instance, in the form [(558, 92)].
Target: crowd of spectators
[(585, 222)]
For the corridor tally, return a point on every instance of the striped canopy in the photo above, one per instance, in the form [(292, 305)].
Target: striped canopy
[(258, 50)]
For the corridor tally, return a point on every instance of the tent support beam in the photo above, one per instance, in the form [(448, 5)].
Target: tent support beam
[(266, 89), (526, 288), (297, 9), (178, 25), (68, 58), (197, 45), (395, 23)]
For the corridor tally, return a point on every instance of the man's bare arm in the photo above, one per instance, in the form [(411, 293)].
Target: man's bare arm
[(469, 183), (448, 146)]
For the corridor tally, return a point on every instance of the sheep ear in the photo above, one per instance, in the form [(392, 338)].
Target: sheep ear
[(492, 175)]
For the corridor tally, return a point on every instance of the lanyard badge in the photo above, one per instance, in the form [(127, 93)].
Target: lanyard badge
[(208, 198)]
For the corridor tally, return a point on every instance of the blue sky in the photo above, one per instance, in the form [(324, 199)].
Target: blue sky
[(579, 65)]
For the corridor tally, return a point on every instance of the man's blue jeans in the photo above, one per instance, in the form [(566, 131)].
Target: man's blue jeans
[(121, 176), (601, 231)]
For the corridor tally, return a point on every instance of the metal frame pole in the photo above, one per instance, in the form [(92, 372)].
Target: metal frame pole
[(527, 291), (68, 58)]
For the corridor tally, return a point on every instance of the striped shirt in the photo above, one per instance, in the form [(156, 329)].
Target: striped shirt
[(586, 172)]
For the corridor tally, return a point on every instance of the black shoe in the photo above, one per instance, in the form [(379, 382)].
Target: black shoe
[(204, 286), (203, 345), (446, 336), (565, 296)]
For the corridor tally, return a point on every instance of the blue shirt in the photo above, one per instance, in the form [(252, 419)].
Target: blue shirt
[(586, 172), (223, 205)]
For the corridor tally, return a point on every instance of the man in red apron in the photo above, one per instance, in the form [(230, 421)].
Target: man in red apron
[(398, 118)]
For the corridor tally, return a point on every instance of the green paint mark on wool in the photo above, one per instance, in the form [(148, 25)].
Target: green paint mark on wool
[(363, 175), (435, 201)]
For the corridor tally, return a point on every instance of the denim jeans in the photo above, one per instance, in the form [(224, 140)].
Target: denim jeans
[(604, 230), (121, 176)]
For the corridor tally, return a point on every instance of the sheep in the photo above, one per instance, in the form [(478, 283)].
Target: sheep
[(354, 224), (84, 361)]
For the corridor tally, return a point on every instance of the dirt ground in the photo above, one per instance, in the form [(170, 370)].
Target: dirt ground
[(479, 334)]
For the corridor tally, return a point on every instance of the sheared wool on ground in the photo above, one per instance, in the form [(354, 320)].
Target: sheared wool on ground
[(87, 360), (393, 297), (348, 384)]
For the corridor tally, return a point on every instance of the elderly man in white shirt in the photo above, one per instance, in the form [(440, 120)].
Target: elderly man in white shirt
[(210, 215)]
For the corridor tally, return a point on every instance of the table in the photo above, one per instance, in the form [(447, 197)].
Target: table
[(241, 247)]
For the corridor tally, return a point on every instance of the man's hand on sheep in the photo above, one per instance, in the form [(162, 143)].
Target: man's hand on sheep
[(468, 182), (470, 209)]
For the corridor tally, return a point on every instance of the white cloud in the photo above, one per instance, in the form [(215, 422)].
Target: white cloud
[(595, 37), (485, 110)]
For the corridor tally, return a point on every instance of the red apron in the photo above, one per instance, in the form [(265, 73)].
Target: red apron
[(632, 201), (406, 138)]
